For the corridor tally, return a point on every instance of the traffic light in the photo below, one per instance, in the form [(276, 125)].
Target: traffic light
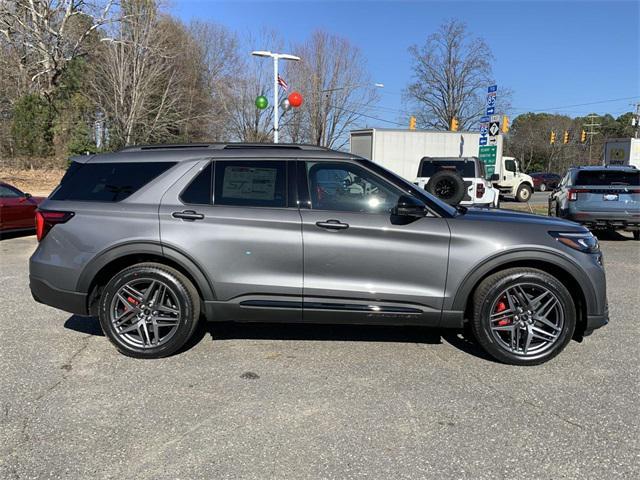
[(583, 136), (565, 137), (454, 124), (505, 124), (412, 123), (552, 138)]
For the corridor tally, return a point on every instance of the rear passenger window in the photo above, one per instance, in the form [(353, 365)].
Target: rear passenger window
[(250, 183), (107, 182), (199, 190)]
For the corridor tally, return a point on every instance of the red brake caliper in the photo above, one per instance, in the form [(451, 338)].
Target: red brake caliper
[(501, 307), (132, 301)]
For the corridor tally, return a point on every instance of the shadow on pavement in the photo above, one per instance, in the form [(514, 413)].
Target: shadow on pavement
[(22, 233), (612, 235), (88, 325), (219, 331)]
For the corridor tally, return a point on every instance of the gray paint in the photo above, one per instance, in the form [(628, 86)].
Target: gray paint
[(260, 263)]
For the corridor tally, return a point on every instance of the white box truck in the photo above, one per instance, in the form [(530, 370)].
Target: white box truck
[(622, 151), (401, 150)]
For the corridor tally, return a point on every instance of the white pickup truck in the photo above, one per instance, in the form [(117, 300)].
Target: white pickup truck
[(402, 150)]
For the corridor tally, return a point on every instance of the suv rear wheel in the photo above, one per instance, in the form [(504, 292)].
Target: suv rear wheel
[(523, 316), (149, 310)]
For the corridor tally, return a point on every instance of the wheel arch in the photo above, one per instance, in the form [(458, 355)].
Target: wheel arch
[(98, 272), (564, 270)]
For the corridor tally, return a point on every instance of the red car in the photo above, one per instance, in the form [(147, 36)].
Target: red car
[(17, 209), (545, 181)]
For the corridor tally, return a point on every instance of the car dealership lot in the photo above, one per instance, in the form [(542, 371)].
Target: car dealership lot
[(292, 401)]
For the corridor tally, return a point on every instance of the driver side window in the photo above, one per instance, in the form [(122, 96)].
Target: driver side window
[(347, 187), (510, 165)]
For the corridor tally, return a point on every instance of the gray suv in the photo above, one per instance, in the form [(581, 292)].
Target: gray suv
[(604, 198), (152, 238)]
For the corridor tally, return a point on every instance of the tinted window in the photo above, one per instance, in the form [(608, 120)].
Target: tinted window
[(8, 192), (349, 188), (465, 168), (199, 190), (107, 182), (608, 177), (251, 183)]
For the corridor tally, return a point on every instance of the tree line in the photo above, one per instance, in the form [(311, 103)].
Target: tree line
[(81, 76)]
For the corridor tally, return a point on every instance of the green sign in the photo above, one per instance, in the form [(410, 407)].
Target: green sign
[(488, 154)]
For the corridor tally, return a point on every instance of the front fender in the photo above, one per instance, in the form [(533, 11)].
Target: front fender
[(529, 255)]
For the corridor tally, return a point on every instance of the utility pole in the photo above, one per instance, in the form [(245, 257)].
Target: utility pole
[(275, 57), (591, 130), (636, 119)]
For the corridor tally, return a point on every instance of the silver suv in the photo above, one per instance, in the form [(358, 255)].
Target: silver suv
[(152, 238), (603, 198)]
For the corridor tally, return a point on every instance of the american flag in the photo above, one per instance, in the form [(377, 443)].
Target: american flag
[(282, 83)]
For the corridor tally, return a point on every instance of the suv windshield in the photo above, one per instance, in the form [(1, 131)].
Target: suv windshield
[(608, 177), (465, 168)]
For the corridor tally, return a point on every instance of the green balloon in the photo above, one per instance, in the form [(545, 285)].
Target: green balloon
[(262, 102)]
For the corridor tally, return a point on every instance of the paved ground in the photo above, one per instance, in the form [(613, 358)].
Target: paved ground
[(313, 402), (538, 198)]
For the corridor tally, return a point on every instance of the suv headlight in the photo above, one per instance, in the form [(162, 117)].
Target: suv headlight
[(583, 241)]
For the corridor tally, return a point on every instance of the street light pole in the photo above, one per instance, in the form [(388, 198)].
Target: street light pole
[(276, 57)]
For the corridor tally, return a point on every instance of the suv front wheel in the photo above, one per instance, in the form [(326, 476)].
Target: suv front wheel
[(149, 310), (523, 316)]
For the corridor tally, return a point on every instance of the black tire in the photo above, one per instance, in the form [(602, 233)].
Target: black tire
[(524, 193), (636, 234), (448, 186), (490, 291), (543, 187), (182, 291)]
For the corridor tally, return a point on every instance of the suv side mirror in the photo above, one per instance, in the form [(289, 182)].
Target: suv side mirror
[(494, 178), (409, 207)]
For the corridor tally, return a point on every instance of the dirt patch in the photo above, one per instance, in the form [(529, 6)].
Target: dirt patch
[(37, 182)]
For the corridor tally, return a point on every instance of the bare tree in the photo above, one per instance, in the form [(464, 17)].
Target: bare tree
[(215, 70), (248, 123), (336, 86), (139, 79), (48, 34), (451, 72)]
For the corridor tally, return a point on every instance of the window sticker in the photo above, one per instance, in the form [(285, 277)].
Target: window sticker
[(249, 183)]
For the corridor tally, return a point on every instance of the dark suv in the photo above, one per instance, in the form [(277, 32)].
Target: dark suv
[(151, 238)]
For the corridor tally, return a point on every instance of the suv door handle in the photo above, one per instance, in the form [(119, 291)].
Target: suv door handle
[(188, 215), (333, 225)]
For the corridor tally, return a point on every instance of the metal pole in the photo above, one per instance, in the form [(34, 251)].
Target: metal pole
[(275, 99)]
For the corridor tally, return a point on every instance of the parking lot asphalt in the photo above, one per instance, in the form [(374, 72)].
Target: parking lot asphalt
[(291, 401)]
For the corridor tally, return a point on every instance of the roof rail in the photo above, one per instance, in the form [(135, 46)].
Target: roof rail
[(222, 146)]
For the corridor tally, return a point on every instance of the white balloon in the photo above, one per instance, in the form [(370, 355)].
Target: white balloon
[(285, 104)]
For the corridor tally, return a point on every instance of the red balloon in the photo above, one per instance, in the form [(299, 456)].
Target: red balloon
[(295, 99)]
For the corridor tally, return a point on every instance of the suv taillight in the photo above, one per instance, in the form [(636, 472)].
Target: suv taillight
[(480, 190), (46, 219), (573, 193)]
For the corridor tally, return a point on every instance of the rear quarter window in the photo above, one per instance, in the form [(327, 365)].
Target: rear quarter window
[(107, 182), (608, 177)]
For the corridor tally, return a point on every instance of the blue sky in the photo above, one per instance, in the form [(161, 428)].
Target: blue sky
[(554, 55)]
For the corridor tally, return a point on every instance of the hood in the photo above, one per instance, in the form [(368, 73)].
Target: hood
[(510, 216)]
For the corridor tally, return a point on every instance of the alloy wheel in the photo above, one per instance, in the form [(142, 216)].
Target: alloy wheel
[(145, 313), (526, 319)]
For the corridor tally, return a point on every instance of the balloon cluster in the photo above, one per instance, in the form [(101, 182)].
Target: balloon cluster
[(293, 100)]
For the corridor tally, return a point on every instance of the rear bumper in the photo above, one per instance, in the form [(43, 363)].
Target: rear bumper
[(72, 302), (605, 219)]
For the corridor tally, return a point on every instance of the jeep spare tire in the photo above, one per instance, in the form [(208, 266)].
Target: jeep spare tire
[(447, 185)]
